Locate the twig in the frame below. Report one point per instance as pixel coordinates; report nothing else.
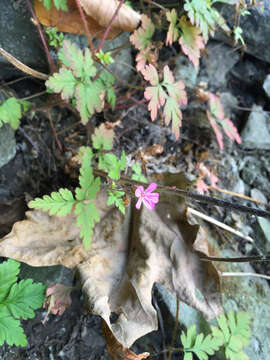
(188, 194)
(91, 45)
(238, 195)
(229, 274)
(36, 22)
(109, 26)
(19, 65)
(218, 223)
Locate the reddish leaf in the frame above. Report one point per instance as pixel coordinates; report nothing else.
(148, 55)
(173, 31)
(142, 37)
(201, 186)
(231, 131)
(191, 41)
(155, 94)
(58, 299)
(216, 129)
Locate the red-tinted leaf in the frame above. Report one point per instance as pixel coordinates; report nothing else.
(191, 41)
(58, 299)
(231, 131)
(146, 56)
(201, 186)
(216, 129)
(142, 37)
(215, 105)
(173, 31)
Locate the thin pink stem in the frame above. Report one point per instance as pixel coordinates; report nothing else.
(86, 27)
(109, 26)
(51, 64)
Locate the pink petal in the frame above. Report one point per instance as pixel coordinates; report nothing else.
(139, 191)
(139, 203)
(148, 203)
(153, 197)
(151, 188)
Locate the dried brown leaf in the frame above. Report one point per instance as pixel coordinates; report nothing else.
(116, 350)
(128, 254)
(70, 21)
(98, 16)
(102, 11)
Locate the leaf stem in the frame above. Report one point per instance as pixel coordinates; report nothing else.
(91, 45)
(109, 26)
(42, 37)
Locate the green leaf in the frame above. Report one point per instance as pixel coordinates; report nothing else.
(199, 344)
(9, 271)
(234, 331)
(59, 203)
(63, 82)
(61, 5)
(202, 15)
(115, 197)
(138, 173)
(10, 112)
(11, 331)
(103, 138)
(87, 216)
(88, 100)
(80, 63)
(23, 298)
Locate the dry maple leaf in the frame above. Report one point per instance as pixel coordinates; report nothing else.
(128, 254)
(98, 16)
(116, 350)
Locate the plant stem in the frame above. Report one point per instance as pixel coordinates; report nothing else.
(91, 45)
(229, 274)
(36, 22)
(109, 26)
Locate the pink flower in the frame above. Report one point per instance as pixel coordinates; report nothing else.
(147, 197)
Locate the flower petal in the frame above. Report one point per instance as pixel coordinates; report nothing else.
(139, 191)
(139, 203)
(151, 188)
(148, 203)
(153, 197)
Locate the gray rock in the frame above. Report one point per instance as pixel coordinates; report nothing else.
(219, 62)
(122, 66)
(258, 195)
(7, 144)
(48, 274)
(266, 85)
(19, 37)
(265, 229)
(256, 134)
(256, 29)
(250, 71)
(186, 71)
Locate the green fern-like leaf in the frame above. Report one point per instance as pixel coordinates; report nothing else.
(24, 297)
(103, 138)
(115, 197)
(63, 82)
(17, 301)
(200, 345)
(59, 203)
(87, 216)
(234, 331)
(9, 271)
